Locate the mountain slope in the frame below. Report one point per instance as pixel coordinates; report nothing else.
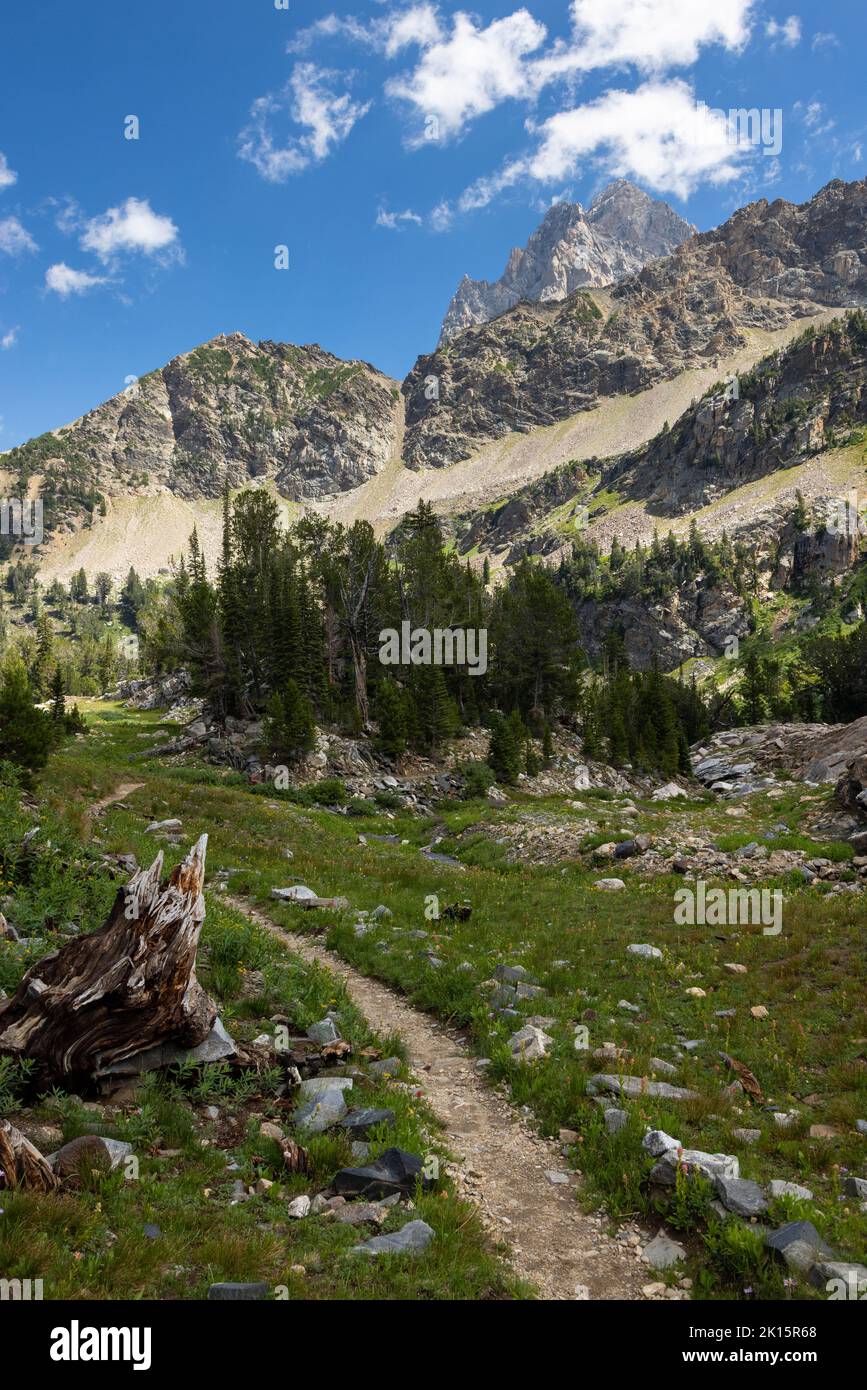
(539, 363)
(795, 404)
(622, 230)
(229, 412)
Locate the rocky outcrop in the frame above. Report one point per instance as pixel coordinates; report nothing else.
(572, 249)
(696, 621)
(792, 404)
(230, 413)
(540, 363)
(738, 760)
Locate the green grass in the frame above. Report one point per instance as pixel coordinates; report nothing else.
(808, 1054)
(90, 1243)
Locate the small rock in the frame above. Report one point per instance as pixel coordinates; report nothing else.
(799, 1245)
(667, 1068)
(529, 1044)
(295, 893)
(388, 1066)
(856, 1187)
(358, 1123)
(740, 1195)
(269, 1130)
(323, 1032)
(778, 1188)
(747, 1136)
(662, 1252)
(710, 1166)
(321, 1112)
(411, 1239)
(394, 1171)
(657, 1142)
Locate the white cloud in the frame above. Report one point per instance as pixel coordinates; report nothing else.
(332, 26)
(464, 74)
(7, 176)
(63, 280)
(68, 217)
(788, 33)
(326, 118)
(418, 25)
(15, 239)
(392, 220)
(132, 227)
(469, 73)
(651, 35)
(9, 339)
(658, 134)
(442, 216)
(815, 117)
(824, 39)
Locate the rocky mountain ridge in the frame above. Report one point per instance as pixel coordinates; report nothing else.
(537, 364)
(230, 412)
(572, 249)
(313, 426)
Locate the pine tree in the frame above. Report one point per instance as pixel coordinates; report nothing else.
(289, 724)
(392, 717)
(436, 713)
(505, 753)
(78, 587)
(58, 700)
(132, 597)
(26, 733)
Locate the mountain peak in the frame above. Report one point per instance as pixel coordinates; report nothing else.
(571, 249)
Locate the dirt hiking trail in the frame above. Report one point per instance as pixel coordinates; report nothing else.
(500, 1165)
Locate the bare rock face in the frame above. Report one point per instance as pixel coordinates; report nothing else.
(230, 412)
(621, 231)
(539, 363)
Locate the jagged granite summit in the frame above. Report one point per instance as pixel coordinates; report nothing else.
(572, 249)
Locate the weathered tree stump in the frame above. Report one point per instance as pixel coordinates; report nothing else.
(21, 1163)
(125, 988)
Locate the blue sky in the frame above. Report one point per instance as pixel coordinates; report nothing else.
(391, 147)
